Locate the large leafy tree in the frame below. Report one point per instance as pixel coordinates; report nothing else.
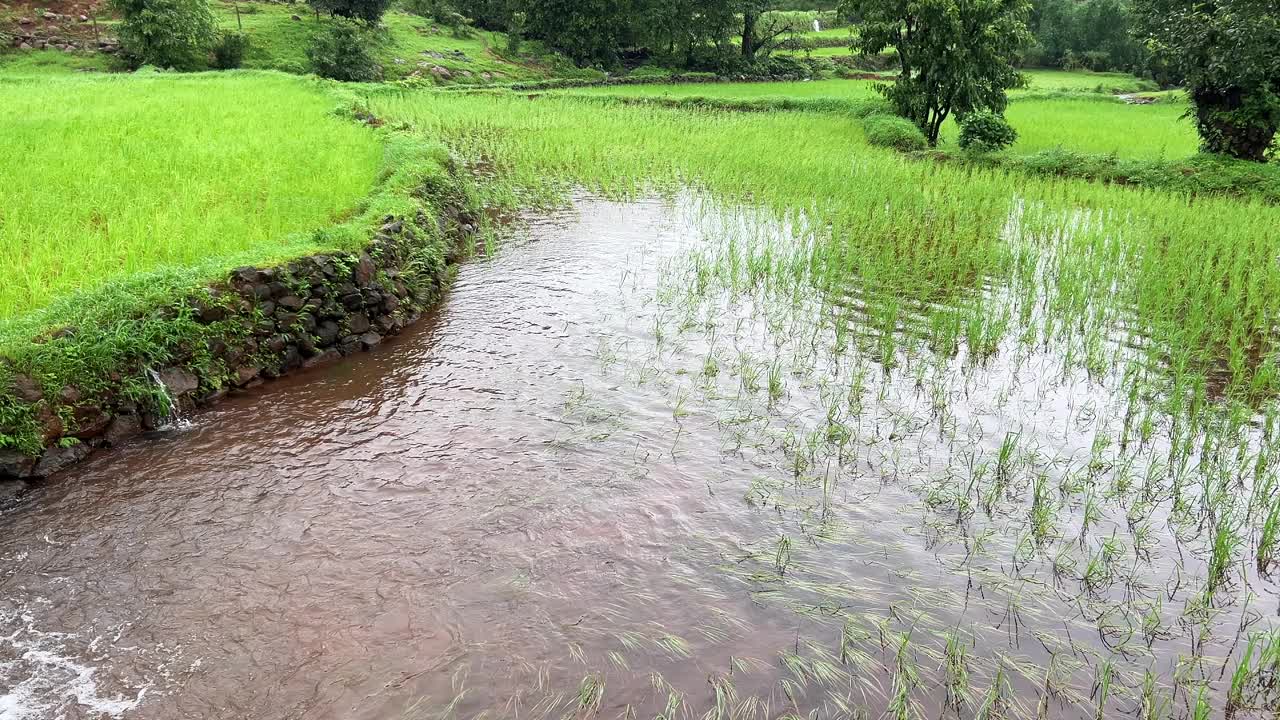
(761, 31)
(1229, 53)
(166, 33)
(955, 56)
(592, 32)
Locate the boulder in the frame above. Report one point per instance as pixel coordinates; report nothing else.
(179, 382)
(91, 422)
(246, 375)
(358, 324)
(14, 464)
(122, 429)
(324, 358)
(25, 388)
(60, 458)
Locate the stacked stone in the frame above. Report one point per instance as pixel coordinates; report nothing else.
(300, 315)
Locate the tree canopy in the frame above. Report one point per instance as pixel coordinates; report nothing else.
(955, 56)
(1229, 53)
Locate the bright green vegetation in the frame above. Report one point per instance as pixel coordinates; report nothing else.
(411, 44)
(53, 62)
(1071, 116)
(110, 176)
(1081, 81)
(1066, 391)
(1163, 242)
(1100, 125)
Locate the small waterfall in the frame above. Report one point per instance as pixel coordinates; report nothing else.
(172, 419)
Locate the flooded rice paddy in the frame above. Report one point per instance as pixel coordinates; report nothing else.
(620, 473)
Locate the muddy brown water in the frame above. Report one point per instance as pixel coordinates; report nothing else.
(528, 506)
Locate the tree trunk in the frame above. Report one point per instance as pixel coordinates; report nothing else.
(1239, 137)
(749, 36)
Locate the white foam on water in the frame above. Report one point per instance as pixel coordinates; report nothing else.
(43, 677)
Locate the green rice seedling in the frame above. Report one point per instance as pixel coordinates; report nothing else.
(1102, 687)
(1269, 537)
(591, 693)
(957, 671)
(776, 384)
(1042, 514)
(1203, 709)
(782, 555)
(1242, 676)
(995, 702)
(1226, 541)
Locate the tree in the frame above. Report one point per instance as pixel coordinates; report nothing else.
(367, 11)
(591, 32)
(1229, 53)
(761, 32)
(956, 56)
(166, 33)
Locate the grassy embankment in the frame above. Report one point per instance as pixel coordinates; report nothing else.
(406, 45)
(167, 172)
(163, 184)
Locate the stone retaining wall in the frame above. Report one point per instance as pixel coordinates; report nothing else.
(262, 323)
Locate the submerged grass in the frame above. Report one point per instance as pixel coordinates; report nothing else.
(1068, 389)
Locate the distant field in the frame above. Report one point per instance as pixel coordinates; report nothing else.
(1103, 126)
(1078, 81)
(110, 175)
(815, 88)
(1086, 122)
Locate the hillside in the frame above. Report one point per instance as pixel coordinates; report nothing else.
(81, 36)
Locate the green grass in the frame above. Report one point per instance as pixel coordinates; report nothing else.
(845, 89)
(1074, 116)
(1099, 125)
(1084, 81)
(927, 243)
(110, 176)
(278, 42)
(53, 62)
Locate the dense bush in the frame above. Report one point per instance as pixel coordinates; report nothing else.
(342, 53)
(986, 132)
(894, 132)
(166, 33)
(785, 67)
(228, 53)
(367, 11)
(1084, 35)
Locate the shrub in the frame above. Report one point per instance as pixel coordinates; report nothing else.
(228, 54)
(368, 11)
(986, 131)
(166, 33)
(342, 53)
(516, 31)
(894, 132)
(785, 67)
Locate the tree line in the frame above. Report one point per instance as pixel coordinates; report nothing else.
(956, 58)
